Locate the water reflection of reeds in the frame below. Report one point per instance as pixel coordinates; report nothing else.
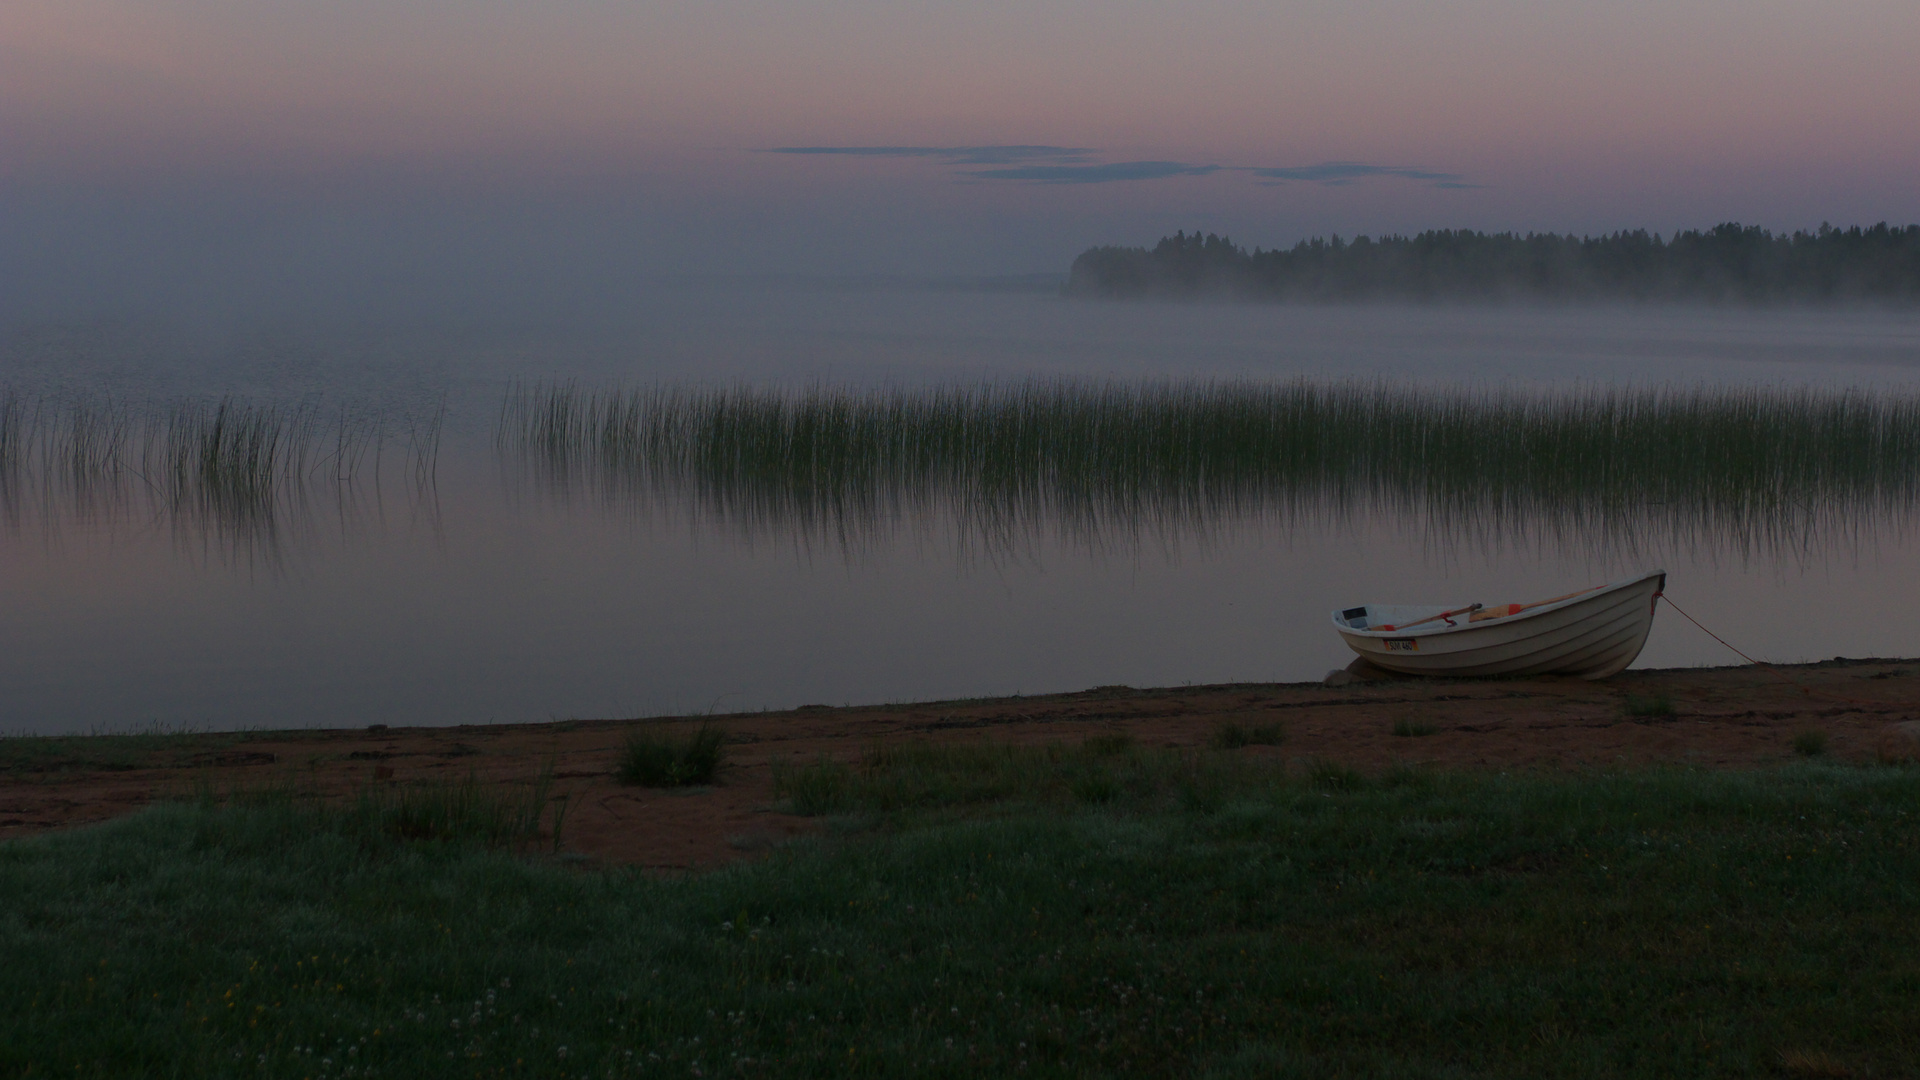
(230, 472)
(1606, 471)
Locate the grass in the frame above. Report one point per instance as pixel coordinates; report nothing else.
(1650, 707)
(906, 777)
(465, 811)
(1810, 743)
(652, 759)
(1334, 776)
(1232, 736)
(822, 786)
(1413, 729)
(1645, 923)
(1753, 468)
(24, 758)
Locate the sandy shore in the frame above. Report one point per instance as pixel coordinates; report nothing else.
(1722, 718)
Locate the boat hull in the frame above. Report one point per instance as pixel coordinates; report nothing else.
(1592, 636)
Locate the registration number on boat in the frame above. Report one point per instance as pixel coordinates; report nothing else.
(1403, 644)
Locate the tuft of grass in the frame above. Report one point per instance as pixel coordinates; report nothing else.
(465, 811)
(1334, 776)
(1403, 775)
(1205, 788)
(1232, 735)
(652, 759)
(1653, 706)
(1810, 743)
(915, 775)
(1108, 745)
(468, 812)
(823, 786)
(1413, 729)
(1096, 788)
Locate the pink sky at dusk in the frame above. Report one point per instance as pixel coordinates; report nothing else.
(124, 123)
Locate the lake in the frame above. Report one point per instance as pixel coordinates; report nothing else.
(453, 578)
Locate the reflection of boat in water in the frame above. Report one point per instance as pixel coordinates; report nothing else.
(1593, 633)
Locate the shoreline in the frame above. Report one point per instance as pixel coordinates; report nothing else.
(1866, 710)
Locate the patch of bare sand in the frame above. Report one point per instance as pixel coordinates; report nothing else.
(1722, 718)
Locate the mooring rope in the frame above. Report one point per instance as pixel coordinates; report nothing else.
(1762, 664)
(1683, 611)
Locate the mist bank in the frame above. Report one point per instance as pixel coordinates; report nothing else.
(1729, 263)
(374, 249)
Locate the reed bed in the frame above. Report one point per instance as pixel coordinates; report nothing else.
(1754, 467)
(229, 466)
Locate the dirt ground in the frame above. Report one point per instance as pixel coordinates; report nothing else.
(1722, 717)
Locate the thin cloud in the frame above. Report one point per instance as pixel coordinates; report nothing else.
(952, 155)
(1094, 174)
(1035, 164)
(1344, 173)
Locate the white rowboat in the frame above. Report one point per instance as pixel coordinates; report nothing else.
(1592, 634)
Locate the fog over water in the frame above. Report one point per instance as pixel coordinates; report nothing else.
(483, 596)
(912, 332)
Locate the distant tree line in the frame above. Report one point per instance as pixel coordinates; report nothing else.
(1727, 264)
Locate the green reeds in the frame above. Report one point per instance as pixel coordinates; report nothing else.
(1756, 468)
(228, 460)
(228, 465)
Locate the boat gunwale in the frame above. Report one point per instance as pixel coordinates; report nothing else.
(1488, 624)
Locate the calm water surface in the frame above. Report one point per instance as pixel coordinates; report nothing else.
(483, 596)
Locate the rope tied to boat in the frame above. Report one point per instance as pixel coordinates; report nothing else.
(1662, 595)
(1761, 664)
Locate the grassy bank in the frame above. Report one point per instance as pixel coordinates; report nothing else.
(1747, 467)
(1115, 911)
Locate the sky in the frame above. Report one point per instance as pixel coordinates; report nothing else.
(465, 157)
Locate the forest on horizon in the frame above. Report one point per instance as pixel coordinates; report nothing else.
(1729, 263)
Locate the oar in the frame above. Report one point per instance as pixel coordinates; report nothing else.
(1505, 610)
(1448, 615)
